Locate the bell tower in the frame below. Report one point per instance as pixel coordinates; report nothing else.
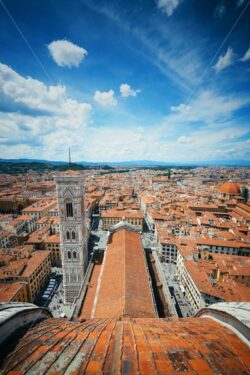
(73, 234)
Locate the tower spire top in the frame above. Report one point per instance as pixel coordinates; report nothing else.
(69, 158)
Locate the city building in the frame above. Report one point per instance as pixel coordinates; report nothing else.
(167, 249)
(33, 271)
(36, 273)
(113, 217)
(13, 292)
(52, 244)
(12, 204)
(40, 208)
(7, 239)
(219, 278)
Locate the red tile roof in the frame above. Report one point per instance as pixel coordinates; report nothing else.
(133, 346)
(231, 188)
(91, 289)
(124, 288)
(133, 214)
(9, 291)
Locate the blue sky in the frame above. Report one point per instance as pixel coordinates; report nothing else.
(117, 80)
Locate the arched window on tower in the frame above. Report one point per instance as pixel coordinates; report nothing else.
(69, 255)
(69, 208)
(73, 235)
(68, 235)
(74, 255)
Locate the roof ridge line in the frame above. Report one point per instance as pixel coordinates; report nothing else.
(125, 238)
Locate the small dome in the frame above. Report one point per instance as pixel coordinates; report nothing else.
(231, 188)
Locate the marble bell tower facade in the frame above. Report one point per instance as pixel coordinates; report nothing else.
(73, 234)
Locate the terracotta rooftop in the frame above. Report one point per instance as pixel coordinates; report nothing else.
(54, 238)
(228, 289)
(123, 213)
(91, 288)
(123, 288)
(231, 188)
(9, 290)
(35, 262)
(69, 172)
(40, 206)
(222, 243)
(5, 233)
(136, 346)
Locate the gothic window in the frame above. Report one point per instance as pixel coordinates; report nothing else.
(69, 209)
(68, 235)
(73, 235)
(69, 255)
(74, 255)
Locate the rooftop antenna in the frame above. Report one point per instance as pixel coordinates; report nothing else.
(69, 158)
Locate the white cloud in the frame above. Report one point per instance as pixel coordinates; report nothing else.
(126, 90)
(225, 61)
(35, 95)
(30, 92)
(208, 107)
(239, 2)
(182, 108)
(39, 117)
(168, 6)
(220, 10)
(183, 139)
(192, 132)
(66, 53)
(246, 57)
(105, 98)
(189, 133)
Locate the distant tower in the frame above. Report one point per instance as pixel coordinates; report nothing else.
(69, 158)
(73, 234)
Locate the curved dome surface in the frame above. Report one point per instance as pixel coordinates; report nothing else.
(15, 315)
(130, 346)
(231, 188)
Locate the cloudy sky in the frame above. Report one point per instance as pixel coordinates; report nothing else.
(165, 80)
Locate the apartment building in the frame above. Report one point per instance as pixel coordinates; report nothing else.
(224, 247)
(40, 208)
(112, 217)
(51, 222)
(167, 248)
(205, 282)
(36, 273)
(52, 244)
(7, 239)
(13, 292)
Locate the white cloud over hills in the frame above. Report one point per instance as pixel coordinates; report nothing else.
(65, 53)
(42, 121)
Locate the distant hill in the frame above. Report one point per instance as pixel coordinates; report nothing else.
(26, 165)
(134, 163)
(51, 162)
(153, 164)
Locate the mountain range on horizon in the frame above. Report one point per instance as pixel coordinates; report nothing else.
(136, 163)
